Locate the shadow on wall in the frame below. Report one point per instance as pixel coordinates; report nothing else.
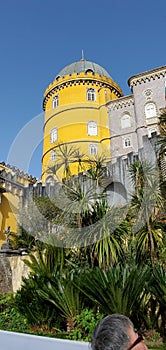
(116, 194)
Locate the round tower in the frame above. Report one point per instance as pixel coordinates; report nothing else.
(76, 114)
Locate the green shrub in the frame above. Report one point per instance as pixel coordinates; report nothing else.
(10, 318)
(28, 303)
(84, 325)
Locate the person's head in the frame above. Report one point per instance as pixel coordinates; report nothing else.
(116, 332)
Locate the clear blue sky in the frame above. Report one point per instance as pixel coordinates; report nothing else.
(38, 38)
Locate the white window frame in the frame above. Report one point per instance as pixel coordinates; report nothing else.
(125, 121)
(93, 150)
(54, 135)
(127, 142)
(150, 110)
(55, 101)
(52, 156)
(152, 130)
(50, 180)
(91, 94)
(92, 128)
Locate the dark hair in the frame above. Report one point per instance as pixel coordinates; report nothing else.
(111, 333)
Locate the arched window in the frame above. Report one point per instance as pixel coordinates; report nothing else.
(127, 142)
(91, 95)
(50, 180)
(55, 101)
(152, 131)
(93, 150)
(150, 110)
(125, 121)
(92, 128)
(89, 71)
(54, 135)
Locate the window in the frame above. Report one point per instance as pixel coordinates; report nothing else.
(125, 121)
(54, 135)
(92, 128)
(127, 142)
(91, 95)
(50, 180)
(93, 150)
(152, 131)
(55, 101)
(89, 71)
(52, 156)
(150, 110)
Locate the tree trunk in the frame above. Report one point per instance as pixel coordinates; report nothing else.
(152, 250)
(70, 324)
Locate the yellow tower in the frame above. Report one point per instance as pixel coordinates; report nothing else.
(76, 113)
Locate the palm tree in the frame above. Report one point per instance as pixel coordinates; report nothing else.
(162, 151)
(149, 239)
(27, 299)
(162, 128)
(80, 201)
(146, 204)
(107, 237)
(96, 169)
(86, 221)
(80, 158)
(117, 290)
(94, 228)
(158, 288)
(65, 156)
(141, 173)
(65, 296)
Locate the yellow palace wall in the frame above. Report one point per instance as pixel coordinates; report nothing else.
(72, 114)
(11, 186)
(8, 213)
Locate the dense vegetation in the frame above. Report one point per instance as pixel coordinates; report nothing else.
(88, 258)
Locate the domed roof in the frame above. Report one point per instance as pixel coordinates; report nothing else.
(83, 66)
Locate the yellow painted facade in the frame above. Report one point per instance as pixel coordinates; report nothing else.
(12, 182)
(73, 111)
(8, 213)
(82, 97)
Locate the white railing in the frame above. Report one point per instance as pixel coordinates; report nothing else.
(21, 341)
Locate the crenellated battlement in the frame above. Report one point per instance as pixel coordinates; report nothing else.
(81, 79)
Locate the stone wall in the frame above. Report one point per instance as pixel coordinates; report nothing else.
(12, 269)
(5, 275)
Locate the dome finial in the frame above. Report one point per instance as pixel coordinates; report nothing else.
(82, 59)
